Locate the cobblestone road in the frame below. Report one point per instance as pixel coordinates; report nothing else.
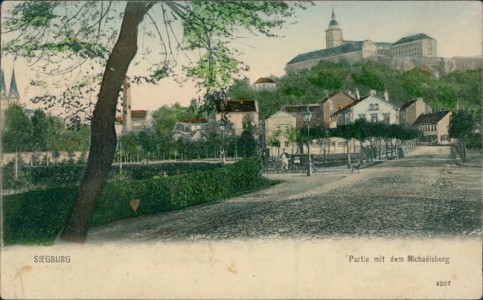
(423, 195)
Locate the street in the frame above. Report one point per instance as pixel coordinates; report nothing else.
(426, 194)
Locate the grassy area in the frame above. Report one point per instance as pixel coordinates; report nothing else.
(36, 217)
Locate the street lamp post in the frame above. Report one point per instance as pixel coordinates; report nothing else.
(222, 125)
(307, 115)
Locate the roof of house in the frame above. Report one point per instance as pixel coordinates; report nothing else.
(193, 120)
(264, 80)
(431, 119)
(351, 105)
(231, 105)
(383, 44)
(347, 46)
(135, 114)
(298, 107)
(280, 114)
(339, 92)
(407, 104)
(415, 37)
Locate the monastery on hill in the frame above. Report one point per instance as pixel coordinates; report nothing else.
(419, 50)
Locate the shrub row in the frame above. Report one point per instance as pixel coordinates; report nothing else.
(36, 217)
(68, 174)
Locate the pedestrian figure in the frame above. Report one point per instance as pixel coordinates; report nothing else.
(285, 156)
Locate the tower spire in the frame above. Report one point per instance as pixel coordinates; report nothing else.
(333, 34)
(3, 87)
(13, 92)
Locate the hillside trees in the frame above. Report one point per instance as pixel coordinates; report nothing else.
(446, 92)
(84, 32)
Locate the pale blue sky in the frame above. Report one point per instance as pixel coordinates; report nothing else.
(456, 25)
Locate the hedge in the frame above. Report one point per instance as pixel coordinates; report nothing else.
(68, 174)
(36, 217)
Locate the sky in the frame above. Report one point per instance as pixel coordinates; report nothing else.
(456, 25)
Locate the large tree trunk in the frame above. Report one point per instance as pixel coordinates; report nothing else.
(103, 135)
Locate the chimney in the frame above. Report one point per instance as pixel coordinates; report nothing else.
(358, 96)
(372, 92)
(386, 96)
(126, 106)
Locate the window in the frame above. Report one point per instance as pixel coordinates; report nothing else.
(286, 144)
(373, 118)
(361, 116)
(386, 118)
(376, 106)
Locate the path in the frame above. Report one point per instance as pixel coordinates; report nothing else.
(422, 195)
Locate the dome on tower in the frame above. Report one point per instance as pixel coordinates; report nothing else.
(333, 22)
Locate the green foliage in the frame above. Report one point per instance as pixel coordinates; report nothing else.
(36, 217)
(40, 128)
(166, 116)
(18, 130)
(311, 86)
(247, 144)
(361, 130)
(41, 133)
(462, 124)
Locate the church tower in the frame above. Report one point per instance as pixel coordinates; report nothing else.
(13, 94)
(333, 34)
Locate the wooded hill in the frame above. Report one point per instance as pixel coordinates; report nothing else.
(461, 89)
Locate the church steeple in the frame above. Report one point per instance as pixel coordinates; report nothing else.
(13, 92)
(333, 34)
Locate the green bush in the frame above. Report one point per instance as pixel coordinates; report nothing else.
(36, 217)
(69, 173)
(138, 172)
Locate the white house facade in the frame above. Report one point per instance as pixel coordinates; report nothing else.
(280, 122)
(370, 108)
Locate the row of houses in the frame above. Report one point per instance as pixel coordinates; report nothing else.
(343, 108)
(338, 109)
(335, 110)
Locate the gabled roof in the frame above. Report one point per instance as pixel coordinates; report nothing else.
(346, 47)
(231, 105)
(264, 80)
(407, 104)
(415, 37)
(339, 92)
(431, 119)
(351, 105)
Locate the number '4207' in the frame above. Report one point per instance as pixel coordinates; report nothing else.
(443, 283)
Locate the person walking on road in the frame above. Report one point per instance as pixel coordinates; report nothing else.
(285, 156)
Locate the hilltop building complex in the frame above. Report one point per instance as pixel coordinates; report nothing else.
(418, 50)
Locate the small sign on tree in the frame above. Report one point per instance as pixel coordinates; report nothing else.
(134, 205)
